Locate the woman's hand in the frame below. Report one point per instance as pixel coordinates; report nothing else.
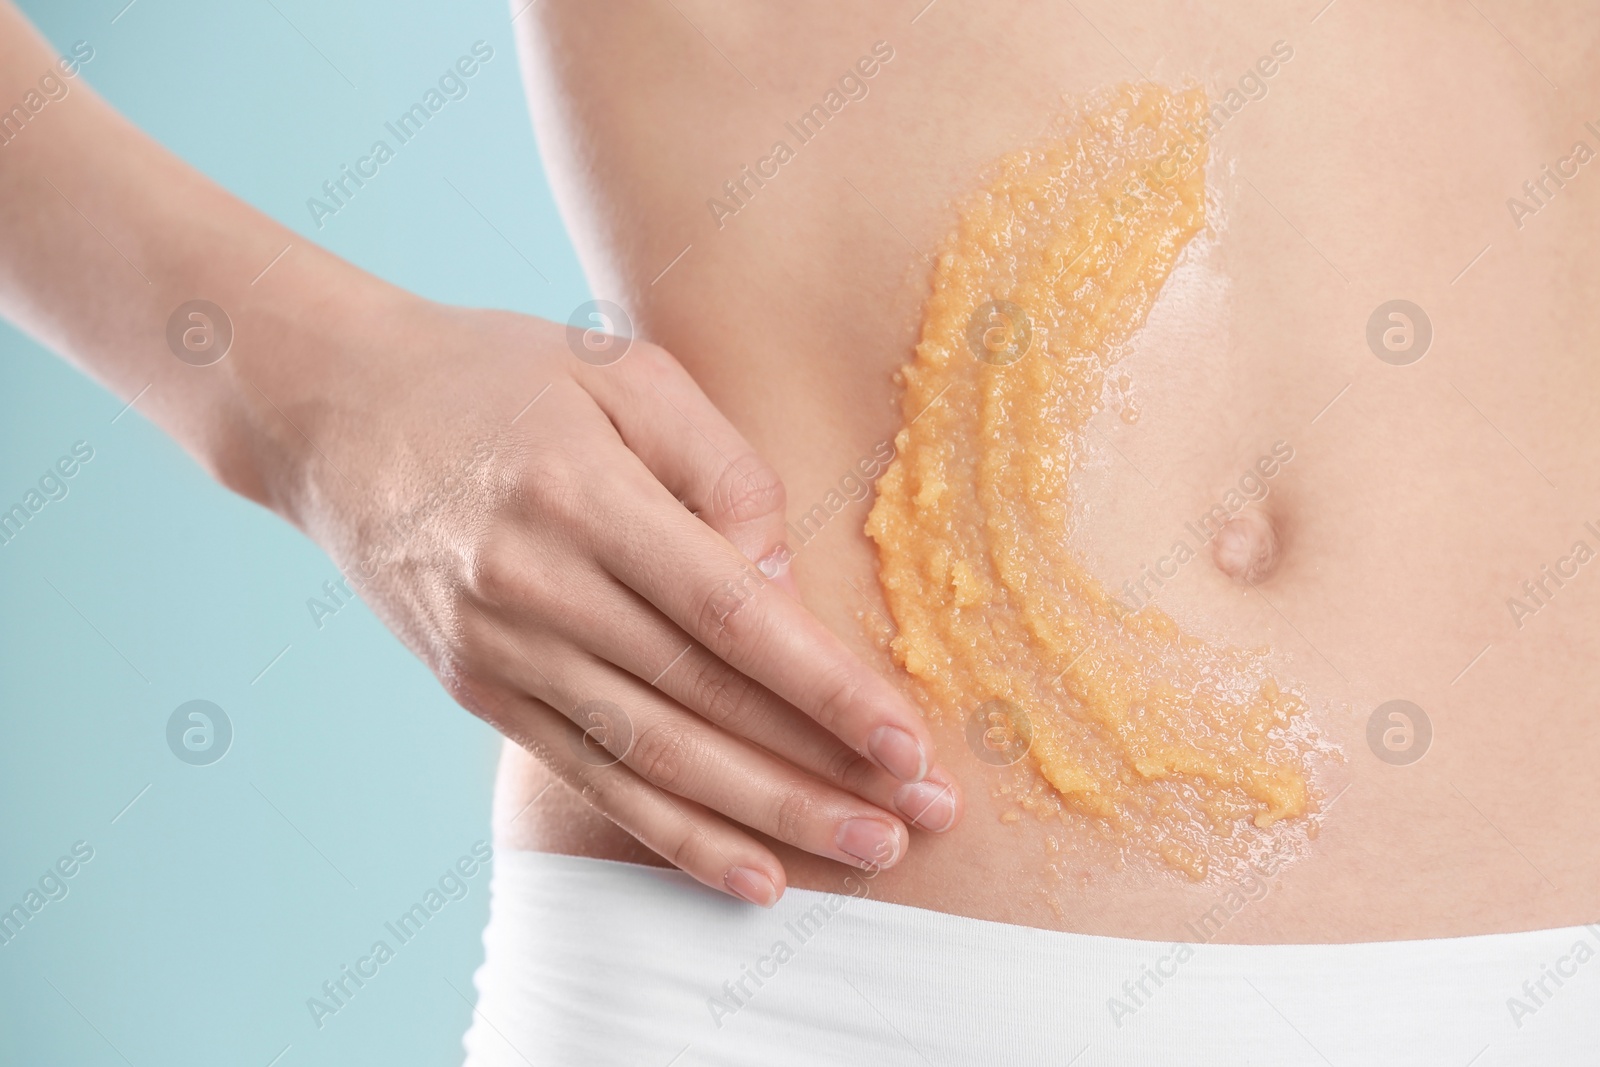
(568, 546)
(591, 559)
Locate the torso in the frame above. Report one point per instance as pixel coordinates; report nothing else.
(1420, 497)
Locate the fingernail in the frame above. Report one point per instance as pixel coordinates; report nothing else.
(750, 884)
(898, 753)
(930, 805)
(775, 568)
(871, 841)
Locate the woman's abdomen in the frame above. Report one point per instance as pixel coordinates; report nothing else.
(1345, 448)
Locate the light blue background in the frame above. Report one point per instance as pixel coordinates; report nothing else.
(224, 897)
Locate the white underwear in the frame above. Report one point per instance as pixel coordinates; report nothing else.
(590, 962)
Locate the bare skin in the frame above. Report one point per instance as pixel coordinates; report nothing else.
(598, 515)
(1377, 166)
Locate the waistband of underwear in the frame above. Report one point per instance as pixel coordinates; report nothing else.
(597, 962)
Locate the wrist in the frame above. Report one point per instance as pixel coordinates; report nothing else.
(294, 377)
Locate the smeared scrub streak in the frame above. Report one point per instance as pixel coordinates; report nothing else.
(1161, 740)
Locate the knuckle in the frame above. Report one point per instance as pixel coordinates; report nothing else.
(748, 489)
(795, 814)
(501, 579)
(498, 572)
(725, 697)
(850, 771)
(837, 694)
(723, 613)
(692, 849)
(555, 490)
(605, 787)
(661, 754)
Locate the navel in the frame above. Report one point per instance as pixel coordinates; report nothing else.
(1246, 549)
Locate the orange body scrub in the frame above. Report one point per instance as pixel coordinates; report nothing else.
(1163, 741)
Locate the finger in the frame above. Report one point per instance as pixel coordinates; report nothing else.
(695, 452)
(686, 835)
(639, 533)
(631, 634)
(680, 753)
(698, 581)
(732, 701)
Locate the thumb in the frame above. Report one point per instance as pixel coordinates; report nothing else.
(694, 451)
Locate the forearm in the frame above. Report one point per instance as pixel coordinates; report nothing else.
(104, 234)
